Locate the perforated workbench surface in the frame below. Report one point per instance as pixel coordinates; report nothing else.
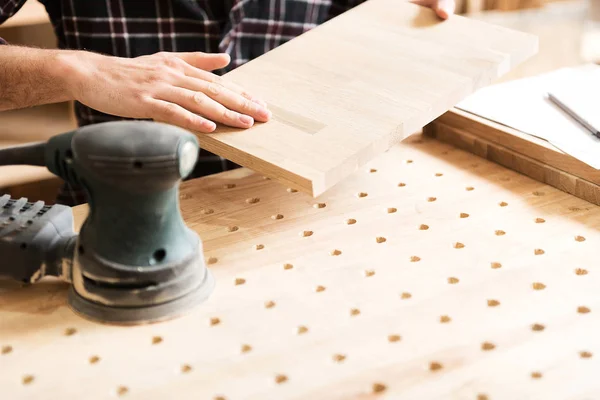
(430, 274)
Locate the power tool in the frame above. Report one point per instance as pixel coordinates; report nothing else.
(134, 260)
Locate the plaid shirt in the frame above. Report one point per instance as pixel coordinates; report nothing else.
(245, 29)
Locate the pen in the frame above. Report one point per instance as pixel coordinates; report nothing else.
(574, 115)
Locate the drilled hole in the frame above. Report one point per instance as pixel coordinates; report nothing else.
(259, 246)
(538, 286)
(394, 338)
(137, 164)
(239, 281)
(444, 319)
(435, 366)
(380, 239)
(339, 358)
(538, 252)
(585, 354)
(214, 321)
(537, 327)
(378, 388)
(70, 331)
(487, 346)
(493, 303)
(27, 379)
(431, 199)
(319, 205)
(159, 255)
(320, 289)
(362, 194)
(157, 340)
(288, 266)
(122, 390)
(391, 210)
(335, 252)
(212, 260)
(306, 233)
(423, 227)
(277, 216)
(503, 204)
(354, 312)
(415, 258)
(232, 228)
(302, 330)
(369, 273)
(207, 211)
(281, 379)
(252, 200)
(583, 310)
(94, 359)
(23, 246)
(469, 188)
(458, 245)
(500, 232)
(581, 271)
(229, 186)
(246, 348)
(579, 239)
(401, 184)
(6, 349)
(536, 375)
(269, 304)
(186, 368)
(453, 280)
(405, 296)
(80, 250)
(540, 220)
(350, 221)
(290, 190)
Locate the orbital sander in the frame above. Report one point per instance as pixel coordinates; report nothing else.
(134, 259)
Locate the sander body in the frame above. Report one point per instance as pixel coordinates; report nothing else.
(134, 259)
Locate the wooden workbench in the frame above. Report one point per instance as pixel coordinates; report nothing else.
(429, 274)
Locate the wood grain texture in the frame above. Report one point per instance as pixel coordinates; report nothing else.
(347, 90)
(454, 278)
(512, 149)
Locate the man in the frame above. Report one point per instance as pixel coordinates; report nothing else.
(158, 59)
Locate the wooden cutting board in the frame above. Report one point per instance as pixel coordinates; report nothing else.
(428, 274)
(347, 90)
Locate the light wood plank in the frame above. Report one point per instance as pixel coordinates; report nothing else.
(490, 313)
(347, 90)
(536, 160)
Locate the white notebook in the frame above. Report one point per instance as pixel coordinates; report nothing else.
(524, 105)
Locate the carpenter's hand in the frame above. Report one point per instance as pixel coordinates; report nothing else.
(443, 8)
(175, 88)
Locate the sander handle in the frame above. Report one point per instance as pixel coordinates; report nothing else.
(35, 240)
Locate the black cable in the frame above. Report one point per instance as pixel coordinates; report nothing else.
(27, 154)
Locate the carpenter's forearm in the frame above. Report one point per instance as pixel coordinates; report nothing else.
(30, 77)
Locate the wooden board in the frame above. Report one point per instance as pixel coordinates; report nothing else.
(347, 90)
(429, 274)
(526, 154)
